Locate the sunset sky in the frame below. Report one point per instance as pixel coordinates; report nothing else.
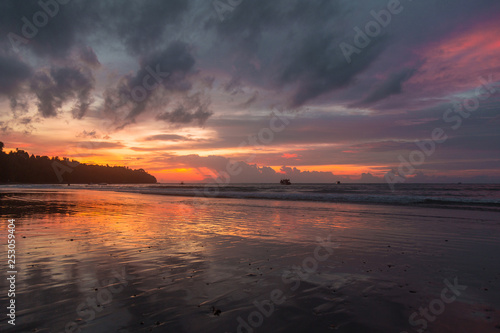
(180, 87)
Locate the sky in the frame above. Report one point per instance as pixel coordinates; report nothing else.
(312, 90)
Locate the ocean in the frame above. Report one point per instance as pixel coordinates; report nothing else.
(463, 196)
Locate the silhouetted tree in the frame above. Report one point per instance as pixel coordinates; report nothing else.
(19, 167)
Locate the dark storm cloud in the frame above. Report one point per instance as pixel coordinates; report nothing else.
(193, 108)
(295, 44)
(60, 85)
(176, 60)
(288, 48)
(50, 29)
(251, 19)
(57, 32)
(13, 73)
(278, 45)
(53, 33)
(392, 86)
(318, 70)
(141, 24)
(167, 68)
(46, 32)
(88, 56)
(163, 74)
(19, 104)
(306, 57)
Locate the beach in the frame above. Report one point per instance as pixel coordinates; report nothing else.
(122, 261)
(231, 166)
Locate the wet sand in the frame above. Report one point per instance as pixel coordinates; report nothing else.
(123, 262)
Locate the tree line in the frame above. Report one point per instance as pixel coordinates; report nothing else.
(19, 167)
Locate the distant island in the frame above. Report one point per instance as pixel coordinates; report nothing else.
(20, 168)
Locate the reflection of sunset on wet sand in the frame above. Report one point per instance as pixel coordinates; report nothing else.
(198, 264)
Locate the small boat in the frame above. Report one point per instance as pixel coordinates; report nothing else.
(338, 182)
(182, 183)
(285, 182)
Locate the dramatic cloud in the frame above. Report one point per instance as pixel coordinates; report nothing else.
(193, 108)
(165, 73)
(46, 28)
(59, 85)
(141, 25)
(317, 70)
(88, 56)
(185, 80)
(13, 73)
(392, 86)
